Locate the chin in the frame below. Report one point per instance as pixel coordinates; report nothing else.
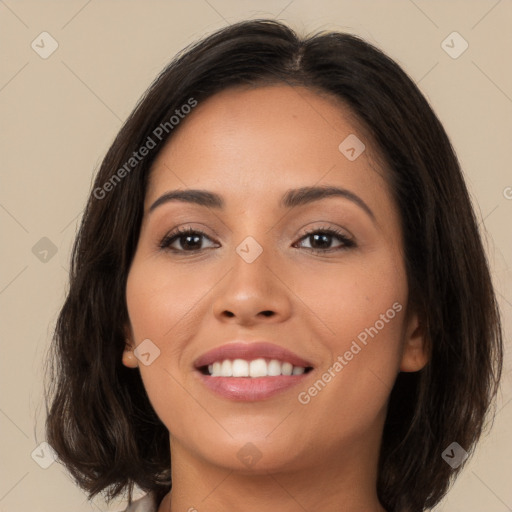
(252, 452)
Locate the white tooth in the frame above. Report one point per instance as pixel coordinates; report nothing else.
(274, 368)
(258, 368)
(216, 369)
(240, 368)
(286, 368)
(226, 368)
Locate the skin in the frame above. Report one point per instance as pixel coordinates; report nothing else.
(250, 146)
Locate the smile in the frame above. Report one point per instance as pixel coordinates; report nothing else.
(251, 371)
(256, 368)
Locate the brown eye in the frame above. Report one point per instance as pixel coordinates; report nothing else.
(187, 240)
(321, 239)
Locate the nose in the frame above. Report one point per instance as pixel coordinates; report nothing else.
(253, 293)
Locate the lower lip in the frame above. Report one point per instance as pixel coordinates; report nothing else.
(248, 389)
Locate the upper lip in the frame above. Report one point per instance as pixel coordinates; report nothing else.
(249, 351)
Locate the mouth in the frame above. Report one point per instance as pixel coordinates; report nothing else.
(255, 369)
(251, 371)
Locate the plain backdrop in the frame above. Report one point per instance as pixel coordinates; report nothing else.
(59, 113)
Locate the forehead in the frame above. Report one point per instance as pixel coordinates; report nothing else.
(247, 140)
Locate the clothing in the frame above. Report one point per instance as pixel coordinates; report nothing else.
(144, 504)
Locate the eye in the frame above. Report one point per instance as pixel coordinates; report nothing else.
(321, 239)
(189, 240)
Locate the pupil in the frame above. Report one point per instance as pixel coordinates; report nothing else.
(326, 239)
(191, 245)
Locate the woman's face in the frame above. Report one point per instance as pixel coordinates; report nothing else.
(252, 272)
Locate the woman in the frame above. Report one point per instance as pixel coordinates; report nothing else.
(279, 286)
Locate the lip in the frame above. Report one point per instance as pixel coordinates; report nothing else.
(248, 388)
(250, 351)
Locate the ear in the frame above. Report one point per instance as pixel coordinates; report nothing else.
(415, 354)
(129, 358)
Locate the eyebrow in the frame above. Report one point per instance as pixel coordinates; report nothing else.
(291, 199)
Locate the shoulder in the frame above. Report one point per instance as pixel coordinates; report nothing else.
(144, 504)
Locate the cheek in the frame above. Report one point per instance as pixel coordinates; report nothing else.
(362, 309)
(159, 300)
(165, 306)
(351, 296)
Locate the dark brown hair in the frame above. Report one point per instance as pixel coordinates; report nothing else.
(100, 421)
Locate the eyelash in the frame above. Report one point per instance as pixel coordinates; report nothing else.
(169, 239)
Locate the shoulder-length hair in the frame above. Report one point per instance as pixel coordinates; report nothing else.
(100, 421)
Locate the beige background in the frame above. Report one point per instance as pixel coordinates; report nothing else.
(60, 114)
